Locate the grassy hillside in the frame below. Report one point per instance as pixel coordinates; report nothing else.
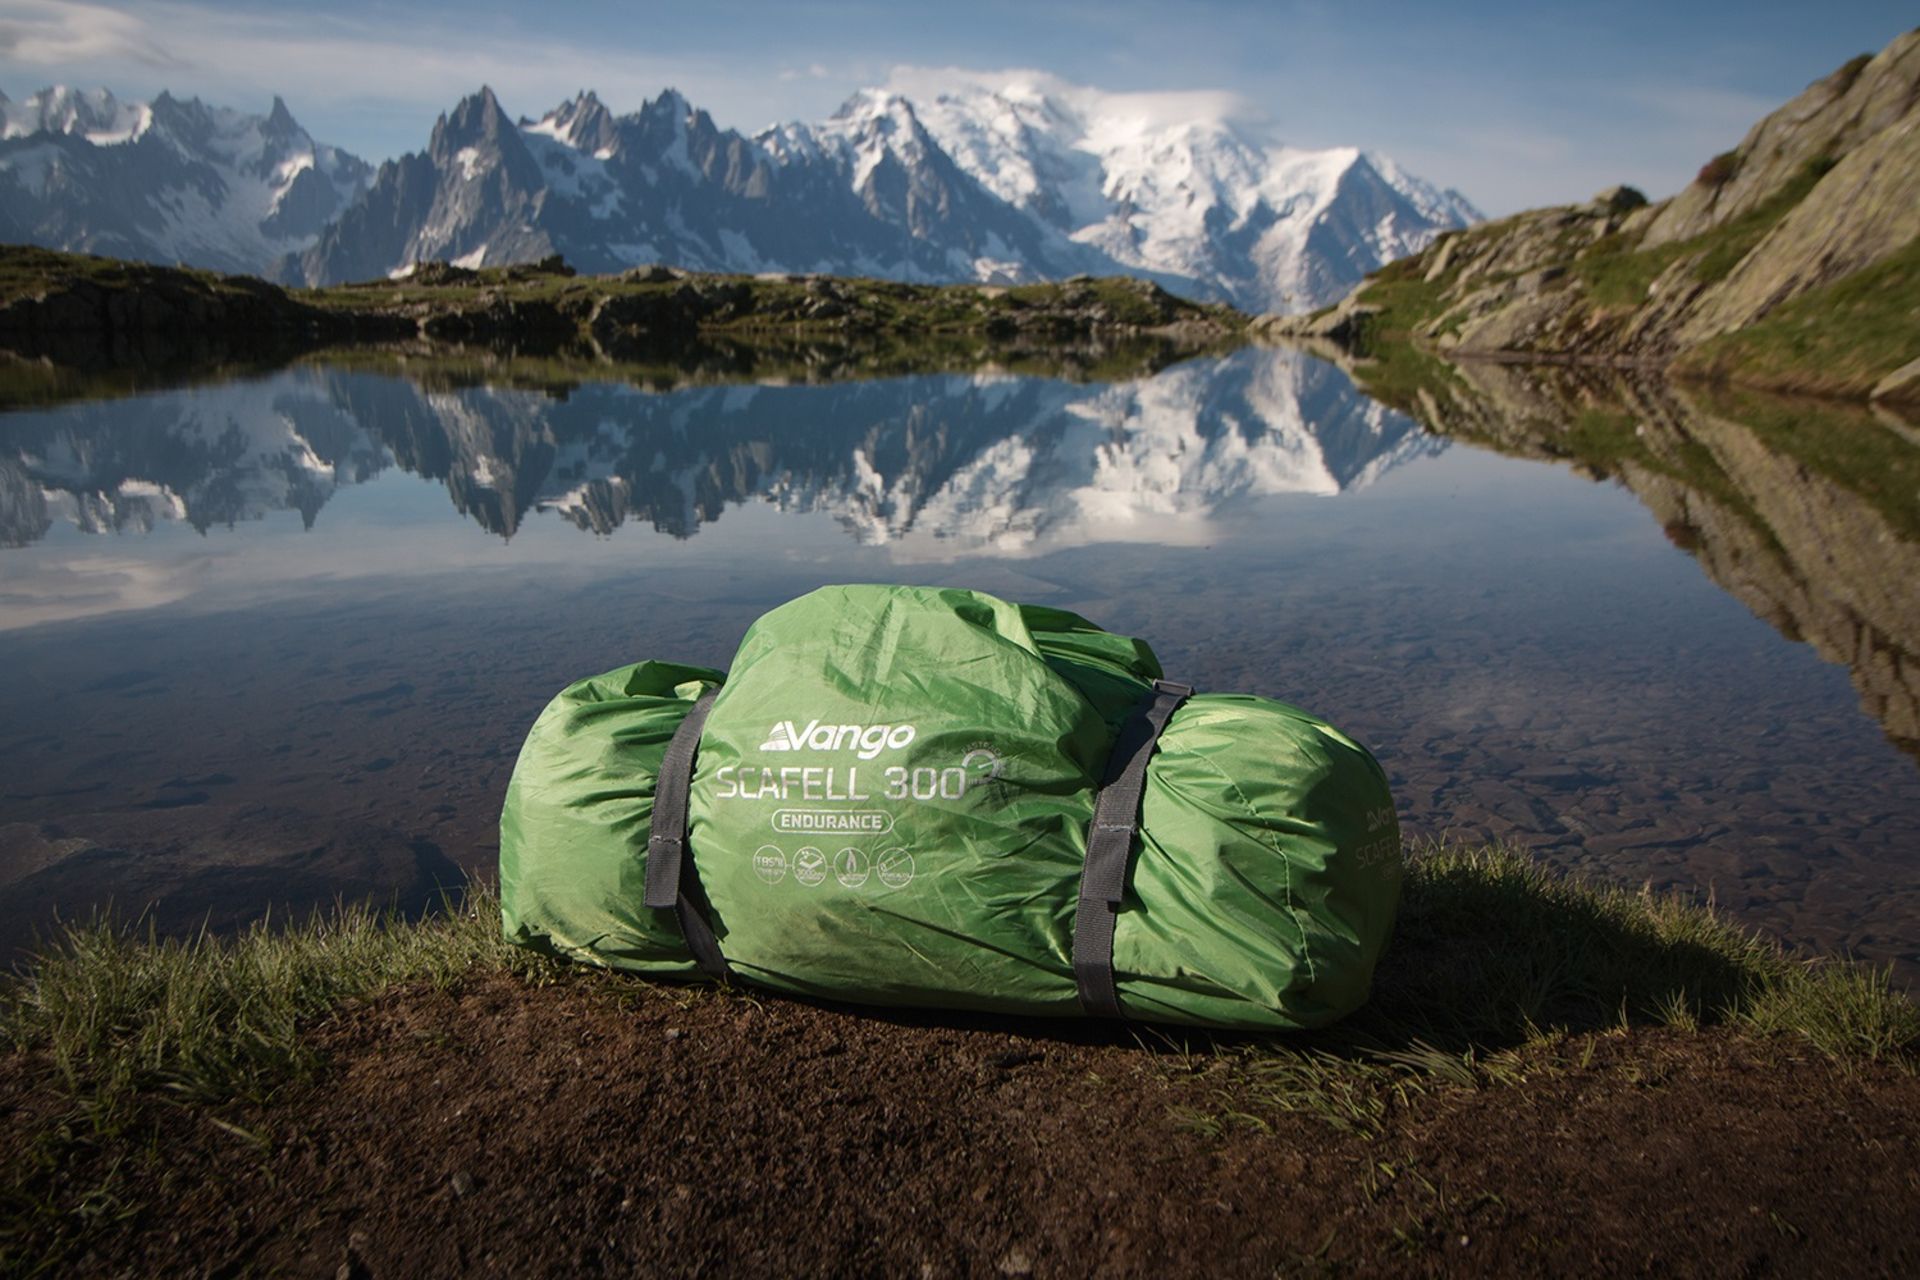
(1789, 263)
(1843, 339)
(1856, 334)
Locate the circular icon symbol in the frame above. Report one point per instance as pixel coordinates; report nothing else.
(850, 868)
(981, 766)
(896, 868)
(770, 863)
(809, 866)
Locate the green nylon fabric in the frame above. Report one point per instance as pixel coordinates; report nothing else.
(890, 805)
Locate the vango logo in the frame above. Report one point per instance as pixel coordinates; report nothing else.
(867, 740)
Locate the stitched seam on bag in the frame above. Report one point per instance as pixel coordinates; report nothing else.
(1265, 837)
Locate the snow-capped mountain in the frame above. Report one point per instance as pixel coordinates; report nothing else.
(167, 180)
(1180, 186)
(982, 179)
(936, 177)
(665, 184)
(1016, 464)
(1135, 460)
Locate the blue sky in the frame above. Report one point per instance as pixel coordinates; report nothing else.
(1515, 104)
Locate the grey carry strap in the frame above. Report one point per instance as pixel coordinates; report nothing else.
(1116, 817)
(672, 880)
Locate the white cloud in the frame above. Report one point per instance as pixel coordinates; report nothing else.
(39, 589)
(52, 32)
(1151, 109)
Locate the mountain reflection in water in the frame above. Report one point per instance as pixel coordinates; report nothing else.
(1807, 512)
(320, 692)
(989, 459)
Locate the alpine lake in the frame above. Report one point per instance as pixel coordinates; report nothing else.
(271, 634)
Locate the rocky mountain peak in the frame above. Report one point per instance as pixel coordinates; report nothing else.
(479, 140)
(476, 121)
(583, 123)
(280, 124)
(170, 180)
(665, 114)
(883, 115)
(659, 130)
(94, 114)
(188, 122)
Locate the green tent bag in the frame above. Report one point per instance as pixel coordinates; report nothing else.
(892, 800)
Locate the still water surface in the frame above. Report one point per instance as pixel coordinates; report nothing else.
(274, 640)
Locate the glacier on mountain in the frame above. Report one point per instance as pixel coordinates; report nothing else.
(1187, 187)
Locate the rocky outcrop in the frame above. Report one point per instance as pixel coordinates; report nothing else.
(1863, 210)
(73, 327)
(1823, 189)
(73, 308)
(626, 315)
(98, 313)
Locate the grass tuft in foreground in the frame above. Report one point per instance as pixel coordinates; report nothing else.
(118, 1015)
(1499, 966)
(1499, 971)
(1492, 952)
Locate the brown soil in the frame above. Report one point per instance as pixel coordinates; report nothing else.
(591, 1128)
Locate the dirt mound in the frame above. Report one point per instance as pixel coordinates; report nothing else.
(627, 1129)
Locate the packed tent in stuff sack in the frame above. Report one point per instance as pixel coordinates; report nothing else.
(931, 797)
